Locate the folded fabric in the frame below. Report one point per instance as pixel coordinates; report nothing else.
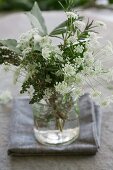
(23, 143)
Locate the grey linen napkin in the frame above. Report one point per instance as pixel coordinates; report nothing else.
(23, 143)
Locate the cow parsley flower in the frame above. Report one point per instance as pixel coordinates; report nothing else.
(45, 42)
(46, 53)
(79, 61)
(73, 62)
(77, 91)
(69, 70)
(27, 39)
(79, 79)
(72, 15)
(52, 50)
(79, 49)
(62, 88)
(26, 51)
(57, 53)
(73, 39)
(5, 97)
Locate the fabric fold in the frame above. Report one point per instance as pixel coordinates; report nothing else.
(23, 143)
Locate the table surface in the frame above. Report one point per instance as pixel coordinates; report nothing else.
(11, 26)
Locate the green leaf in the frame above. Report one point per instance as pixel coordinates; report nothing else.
(11, 44)
(37, 19)
(35, 23)
(60, 29)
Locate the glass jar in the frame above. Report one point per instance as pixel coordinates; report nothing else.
(56, 123)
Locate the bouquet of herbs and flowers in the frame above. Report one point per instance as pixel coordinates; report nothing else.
(58, 74)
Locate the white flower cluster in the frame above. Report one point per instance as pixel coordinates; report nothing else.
(72, 15)
(63, 88)
(46, 52)
(69, 70)
(72, 81)
(28, 41)
(5, 97)
(79, 49)
(92, 67)
(79, 63)
(45, 42)
(73, 39)
(49, 50)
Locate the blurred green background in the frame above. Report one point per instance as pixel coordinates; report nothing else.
(44, 4)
